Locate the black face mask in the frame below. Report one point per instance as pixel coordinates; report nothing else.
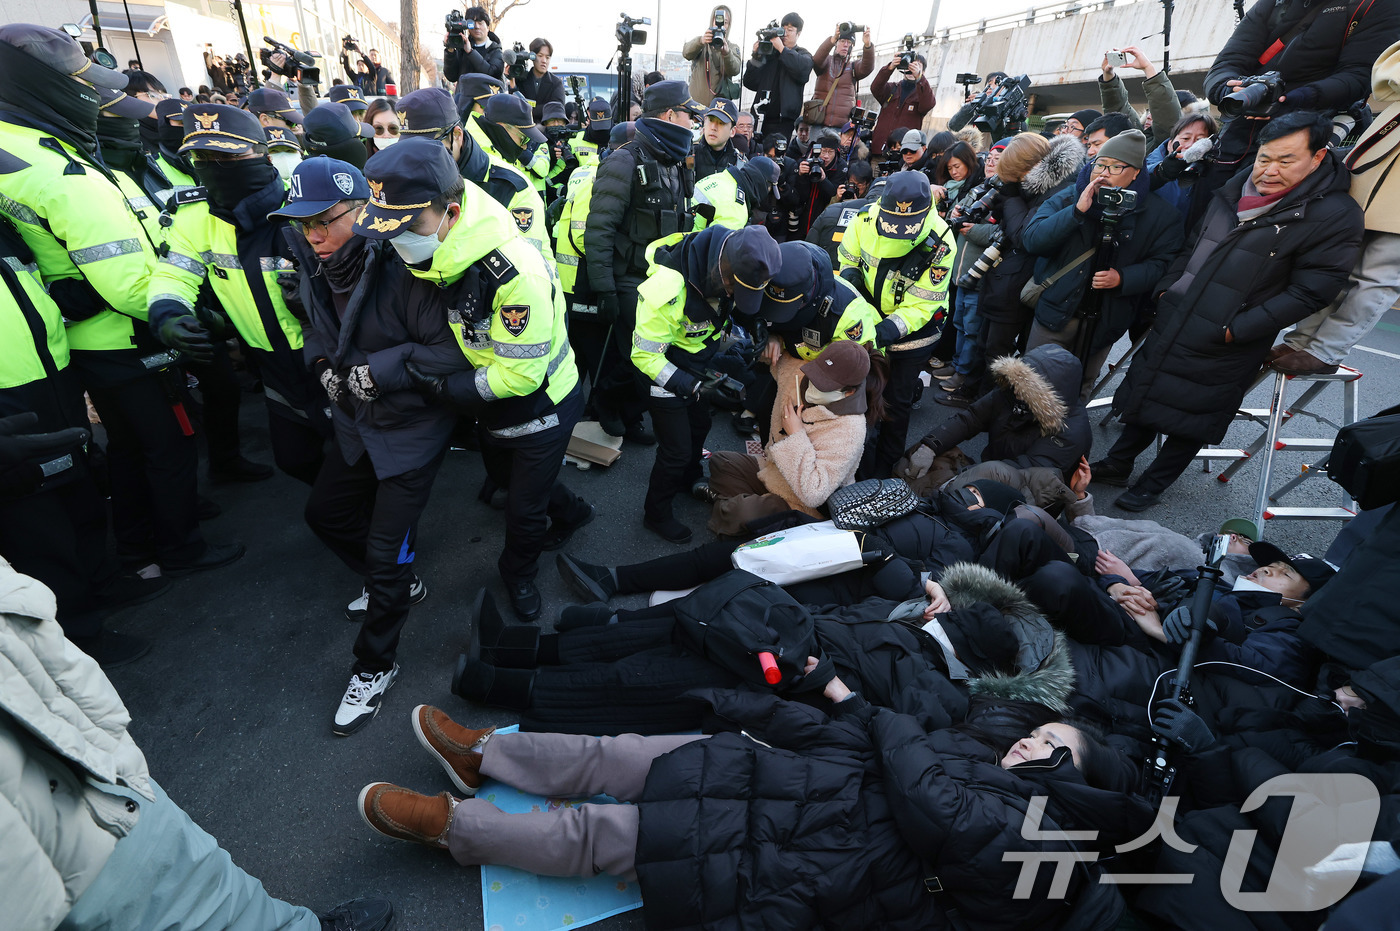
(150, 133)
(65, 106)
(229, 182)
(120, 138)
(171, 134)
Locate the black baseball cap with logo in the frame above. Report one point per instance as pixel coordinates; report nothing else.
(726, 111)
(599, 114)
(216, 127)
(669, 95)
(349, 95)
(56, 49)
(271, 100)
(403, 180)
(426, 112)
(510, 110)
(318, 184)
(1315, 571)
(474, 89)
(281, 138)
(904, 205)
(790, 289)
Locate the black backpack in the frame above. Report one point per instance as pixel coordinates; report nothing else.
(733, 619)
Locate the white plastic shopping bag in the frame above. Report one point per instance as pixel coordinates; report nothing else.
(808, 551)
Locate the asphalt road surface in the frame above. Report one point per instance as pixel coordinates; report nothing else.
(233, 705)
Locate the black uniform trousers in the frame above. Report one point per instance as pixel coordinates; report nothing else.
(1173, 458)
(527, 467)
(891, 434)
(680, 426)
(595, 351)
(371, 524)
(622, 387)
(151, 465)
(220, 397)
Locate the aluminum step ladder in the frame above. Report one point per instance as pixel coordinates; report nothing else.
(1269, 444)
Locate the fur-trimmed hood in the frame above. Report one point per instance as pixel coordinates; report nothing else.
(1046, 380)
(1046, 673)
(1066, 156)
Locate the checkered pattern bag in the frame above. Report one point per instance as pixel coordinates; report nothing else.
(871, 503)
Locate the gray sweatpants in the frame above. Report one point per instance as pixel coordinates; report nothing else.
(577, 841)
(1332, 332)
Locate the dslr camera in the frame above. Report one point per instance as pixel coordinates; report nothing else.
(1255, 96)
(814, 160)
(518, 60)
(906, 57)
(849, 30)
(717, 30)
(627, 32)
(989, 196)
(1116, 202)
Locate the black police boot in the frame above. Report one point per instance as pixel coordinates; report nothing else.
(668, 529)
(596, 583)
(525, 599)
(560, 531)
(369, 913)
(481, 682)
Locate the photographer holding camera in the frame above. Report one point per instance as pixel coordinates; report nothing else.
(378, 76)
(536, 83)
(1000, 109)
(714, 60)
(903, 104)
(1288, 55)
(471, 47)
(1164, 104)
(778, 73)
(1104, 242)
(814, 184)
(1275, 245)
(838, 76)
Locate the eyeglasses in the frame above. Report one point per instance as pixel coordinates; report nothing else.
(1104, 168)
(323, 227)
(390, 130)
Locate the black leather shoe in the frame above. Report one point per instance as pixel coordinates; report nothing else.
(639, 433)
(370, 913)
(239, 469)
(130, 589)
(595, 583)
(1137, 500)
(559, 533)
(669, 529)
(525, 599)
(1106, 473)
(205, 509)
(216, 555)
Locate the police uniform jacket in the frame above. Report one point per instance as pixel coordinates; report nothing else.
(910, 284)
(834, 311)
(682, 311)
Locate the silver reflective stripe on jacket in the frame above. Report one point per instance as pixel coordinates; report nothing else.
(19, 266)
(185, 263)
(546, 422)
(179, 299)
(663, 376)
(19, 211)
(647, 345)
(108, 250)
(566, 259)
(222, 260)
(273, 263)
(519, 350)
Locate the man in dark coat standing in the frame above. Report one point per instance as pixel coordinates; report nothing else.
(779, 69)
(1276, 244)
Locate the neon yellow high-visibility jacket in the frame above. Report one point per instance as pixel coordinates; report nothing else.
(906, 279)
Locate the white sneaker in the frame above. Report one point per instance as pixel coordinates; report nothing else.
(362, 700)
(358, 609)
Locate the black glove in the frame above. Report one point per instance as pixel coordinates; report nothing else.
(1182, 726)
(1177, 625)
(608, 306)
(23, 453)
(886, 332)
(722, 391)
(189, 337)
(433, 387)
(290, 283)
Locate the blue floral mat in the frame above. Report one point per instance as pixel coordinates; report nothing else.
(513, 900)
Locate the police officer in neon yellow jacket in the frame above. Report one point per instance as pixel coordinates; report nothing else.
(221, 231)
(506, 310)
(430, 114)
(899, 253)
(683, 308)
(730, 197)
(95, 259)
(511, 136)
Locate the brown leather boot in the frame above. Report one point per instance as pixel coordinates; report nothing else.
(457, 748)
(406, 815)
(1302, 362)
(1278, 352)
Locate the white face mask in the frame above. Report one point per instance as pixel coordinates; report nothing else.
(416, 248)
(382, 142)
(814, 395)
(285, 163)
(1245, 584)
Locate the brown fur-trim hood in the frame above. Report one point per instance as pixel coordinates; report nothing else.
(1043, 379)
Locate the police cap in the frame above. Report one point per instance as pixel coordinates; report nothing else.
(318, 184)
(791, 288)
(118, 103)
(427, 112)
(510, 110)
(171, 109)
(599, 113)
(753, 259)
(216, 127)
(281, 139)
(553, 110)
(349, 95)
(331, 124)
(271, 100)
(474, 88)
(403, 180)
(56, 49)
(669, 95)
(904, 205)
(723, 110)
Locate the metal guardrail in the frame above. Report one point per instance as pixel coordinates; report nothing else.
(1027, 17)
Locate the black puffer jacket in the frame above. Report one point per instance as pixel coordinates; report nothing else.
(1032, 418)
(1254, 278)
(613, 256)
(1001, 287)
(709, 162)
(837, 822)
(784, 76)
(472, 60)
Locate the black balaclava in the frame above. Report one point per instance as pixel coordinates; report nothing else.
(49, 98)
(120, 138)
(345, 266)
(510, 150)
(998, 496)
(229, 182)
(667, 139)
(150, 133)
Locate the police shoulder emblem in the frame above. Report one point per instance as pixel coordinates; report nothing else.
(524, 217)
(515, 317)
(936, 275)
(854, 333)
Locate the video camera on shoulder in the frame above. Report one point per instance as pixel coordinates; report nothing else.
(766, 35)
(457, 26)
(518, 60)
(628, 34)
(284, 60)
(717, 31)
(1115, 201)
(1005, 106)
(1256, 95)
(849, 30)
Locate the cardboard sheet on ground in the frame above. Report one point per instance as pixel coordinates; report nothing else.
(513, 900)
